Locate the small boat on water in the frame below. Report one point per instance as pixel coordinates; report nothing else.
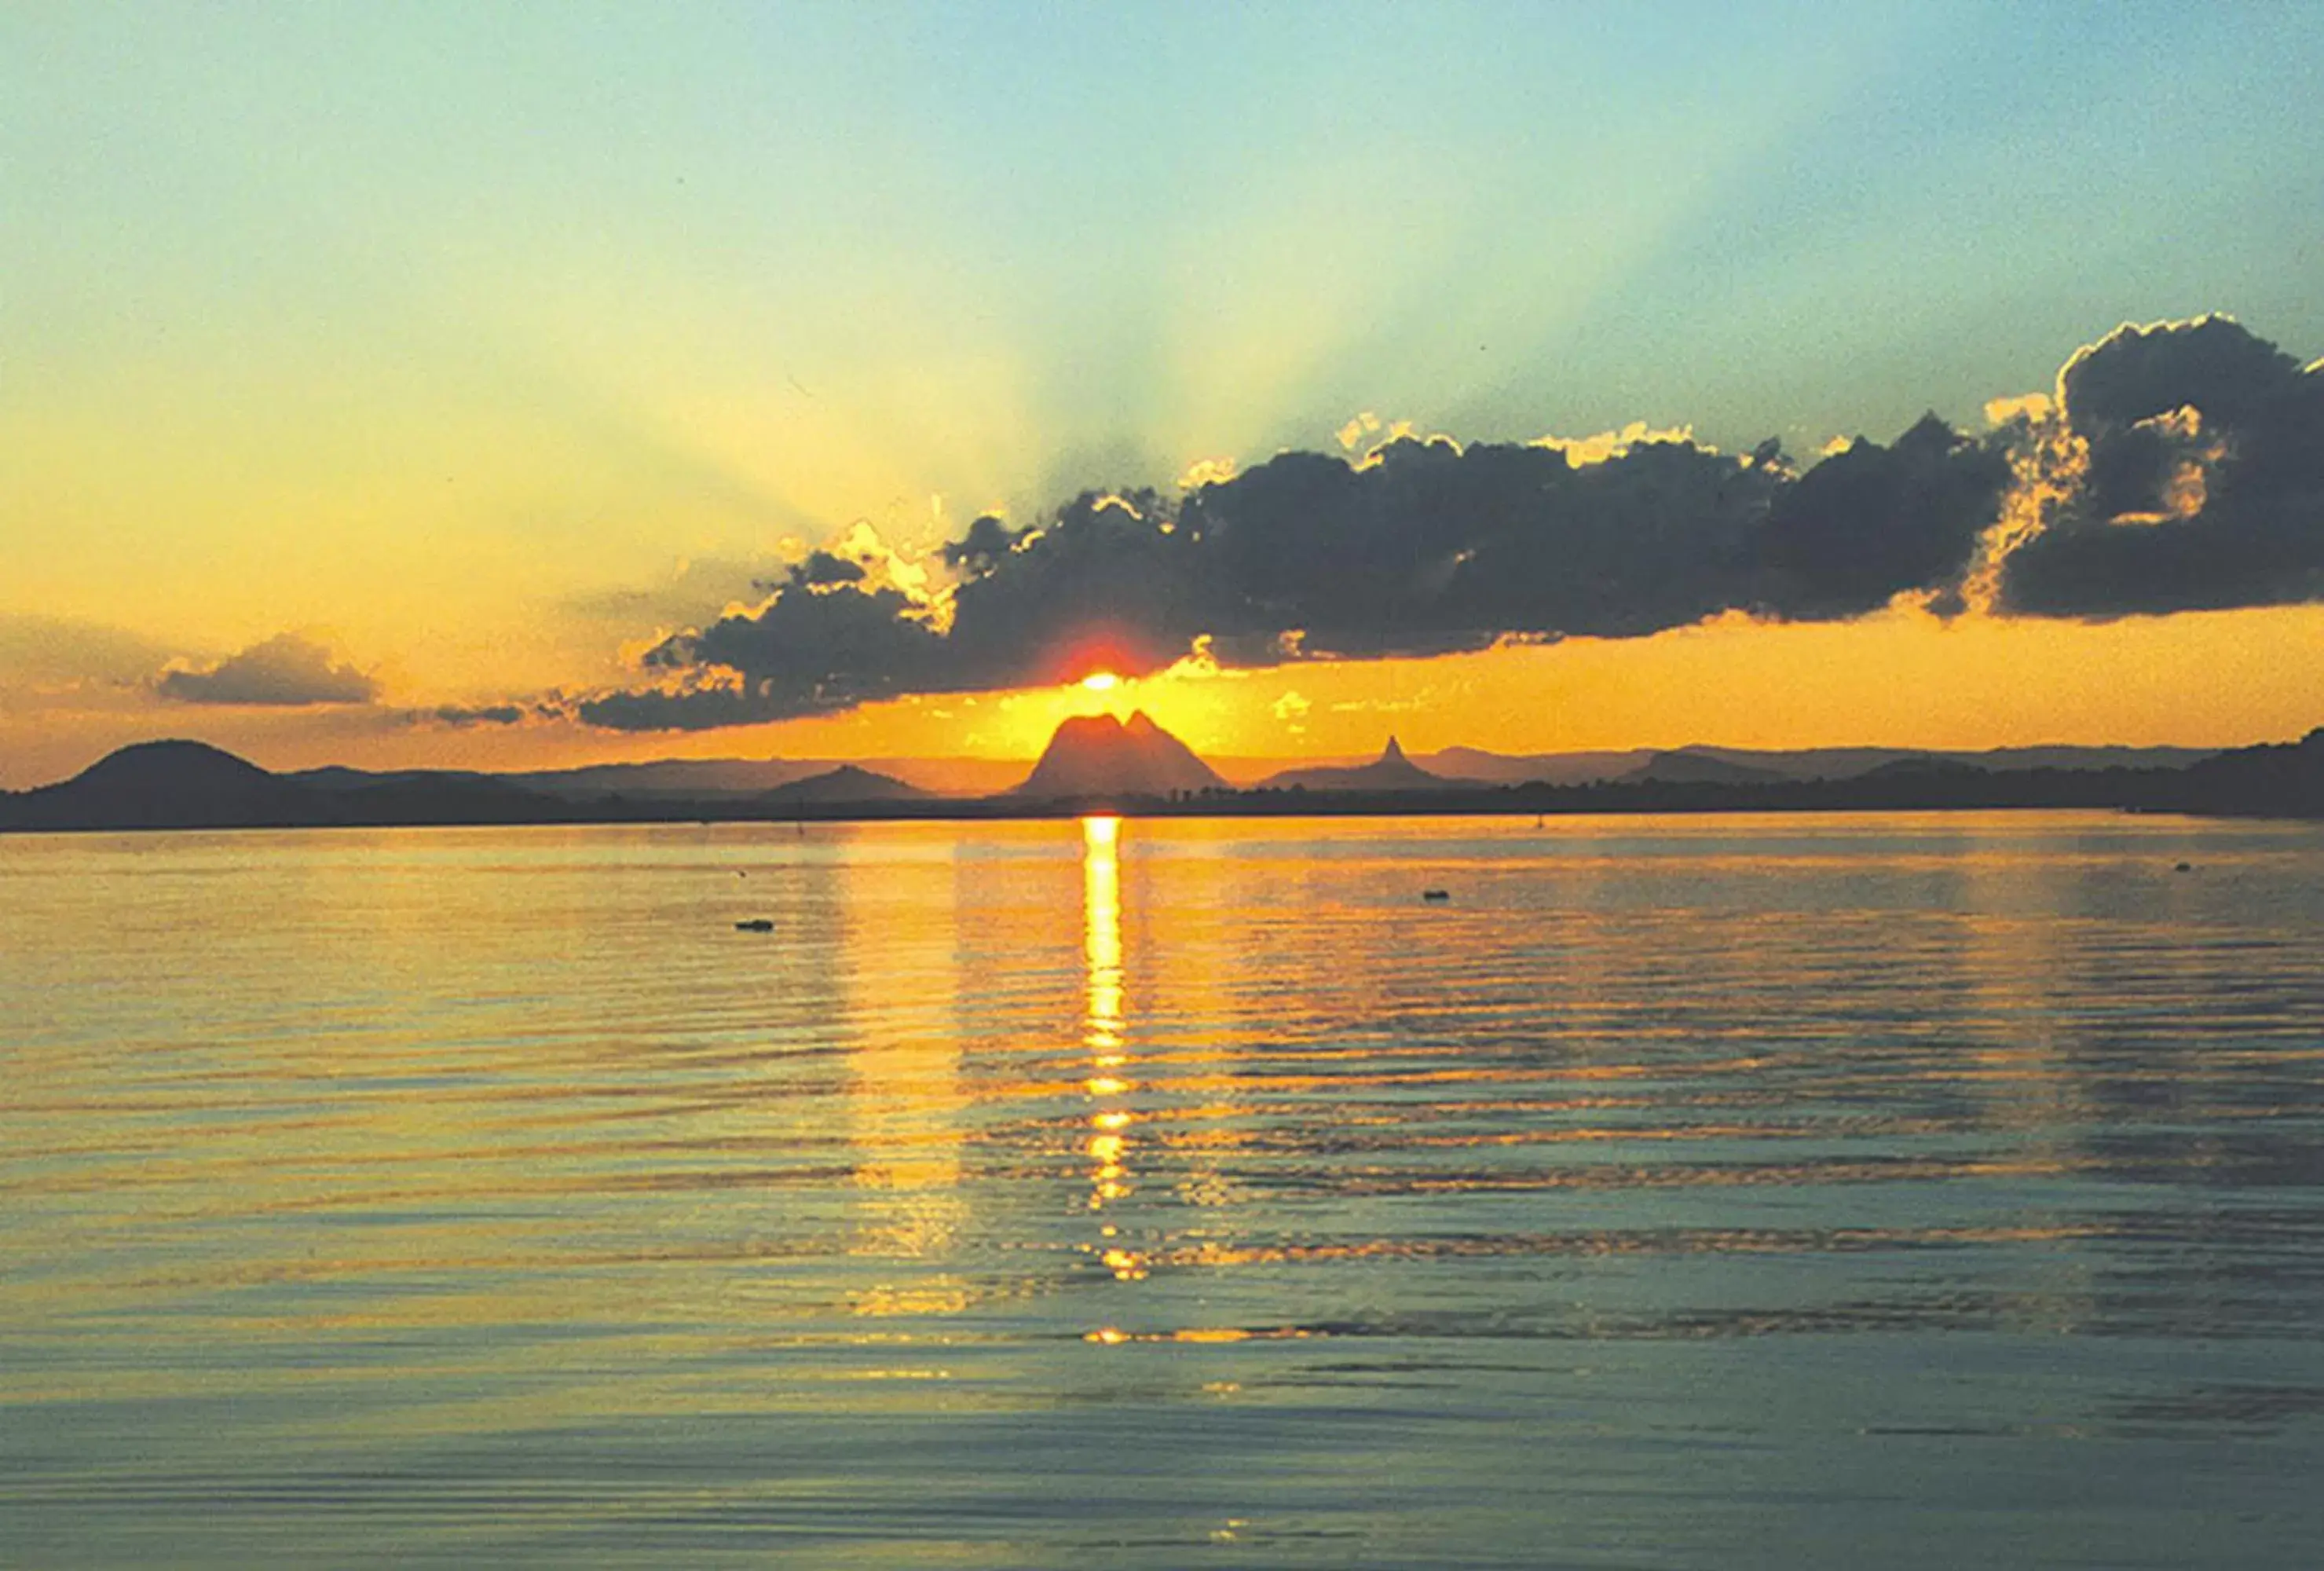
(1435, 895)
(755, 925)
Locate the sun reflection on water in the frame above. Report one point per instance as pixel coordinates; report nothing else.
(1101, 937)
(1102, 1035)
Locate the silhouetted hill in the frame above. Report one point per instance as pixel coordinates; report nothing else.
(1482, 767)
(443, 798)
(172, 784)
(2064, 756)
(191, 785)
(339, 777)
(419, 796)
(1390, 771)
(1097, 755)
(1839, 764)
(2274, 779)
(1692, 766)
(1766, 763)
(1807, 763)
(1921, 767)
(692, 779)
(847, 783)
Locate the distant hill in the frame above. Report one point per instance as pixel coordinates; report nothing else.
(1923, 767)
(1390, 771)
(731, 782)
(1704, 764)
(1475, 763)
(339, 777)
(2062, 756)
(1097, 755)
(1806, 762)
(1694, 766)
(2274, 779)
(188, 785)
(1855, 762)
(191, 785)
(694, 780)
(847, 783)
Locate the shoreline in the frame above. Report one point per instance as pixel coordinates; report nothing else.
(986, 811)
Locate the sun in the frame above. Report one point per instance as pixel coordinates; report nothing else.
(1101, 682)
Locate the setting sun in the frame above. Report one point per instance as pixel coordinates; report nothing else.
(1101, 682)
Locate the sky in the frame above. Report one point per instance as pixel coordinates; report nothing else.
(511, 384)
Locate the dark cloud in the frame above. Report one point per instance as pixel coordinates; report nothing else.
(2181, 465)
(1429, 549)
(813, 647)
(701, 708)
(2134, 373)
(822, 570)
(1422, 549)
(1111, 580)
(1871, 521)
(2193, 460)
(461, 714)
(286, 669)
(980, 550)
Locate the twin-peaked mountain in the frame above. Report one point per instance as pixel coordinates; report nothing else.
(1099, 757)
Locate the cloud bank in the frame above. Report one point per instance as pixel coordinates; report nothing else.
(2183, 467)
(286, 670)
(2175, 466)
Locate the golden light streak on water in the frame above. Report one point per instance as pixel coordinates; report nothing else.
(902, 1018)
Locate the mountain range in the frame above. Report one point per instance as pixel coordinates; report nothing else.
(1735, 765)
(1094, 759)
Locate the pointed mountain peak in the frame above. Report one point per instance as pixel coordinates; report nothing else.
(1139, 724)
(1390, 771)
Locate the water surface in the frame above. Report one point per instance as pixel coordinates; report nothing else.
(1683, 1192)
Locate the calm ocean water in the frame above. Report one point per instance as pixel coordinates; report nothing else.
(1903, 1190)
